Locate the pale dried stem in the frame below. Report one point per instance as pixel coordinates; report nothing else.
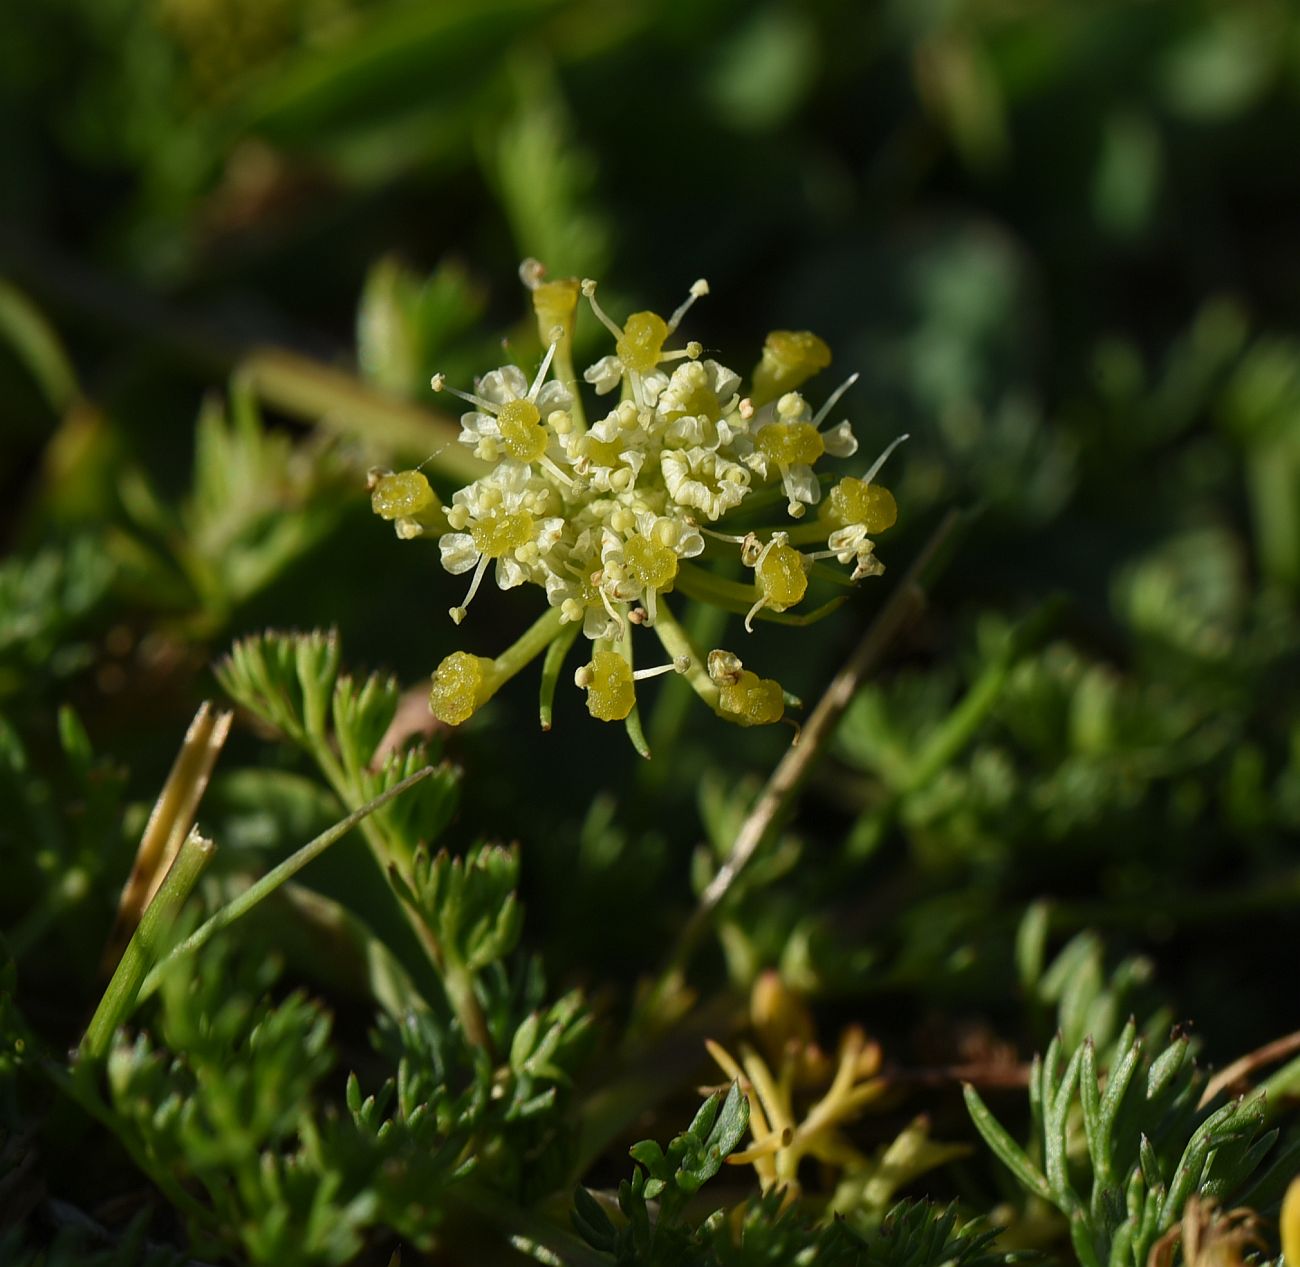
(169, 823)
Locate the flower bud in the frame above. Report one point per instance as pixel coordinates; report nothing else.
(790, 358)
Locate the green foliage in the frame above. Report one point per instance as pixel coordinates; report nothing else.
(670, 1176)
(259, 501)
(46, 601)
(225, 1102)
(1146, 1147)
(410, 327)
(1055, 242)
(293, 683)
(763, 1230)
(57, 865)
(469, 902)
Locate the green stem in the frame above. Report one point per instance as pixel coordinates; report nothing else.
(704, 626)
(145, 946)
(632, 722)
(551, 667)
(456, 977)
(564, 374)
(706, 587)
(458, 981)
(676, 642)
(464, 1002)
(263, 888)
(534, 640)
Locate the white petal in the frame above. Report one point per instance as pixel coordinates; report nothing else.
(459, 553)
(840, 441)
(652, 386)
(847, 539)
(801, 484)
(689, 544)
(597, 623)
(548, 533)
(725, 382)
(507, 383)
(558, 588)
(691, 432)
(607, 428)
(675, 470)
(553, 396)
(611, 547)
(605, 375)
(510, 572)
(731, 428)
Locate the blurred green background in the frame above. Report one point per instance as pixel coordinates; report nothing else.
(1059, 242)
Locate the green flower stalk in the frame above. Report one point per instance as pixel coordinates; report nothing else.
(606, 517)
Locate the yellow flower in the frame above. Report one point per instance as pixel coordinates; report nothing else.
(783, 1135)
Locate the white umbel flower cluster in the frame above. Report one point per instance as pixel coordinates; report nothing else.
(607, 515)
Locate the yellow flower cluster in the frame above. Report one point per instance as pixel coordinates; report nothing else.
(607, 513)
(803, 1100)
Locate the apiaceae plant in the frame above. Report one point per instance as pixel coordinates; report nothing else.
(339, 1068)
(611, 512)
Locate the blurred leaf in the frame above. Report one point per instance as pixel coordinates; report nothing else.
(34, 342)
(1225, 63)
(762, 74)
(407, 325)
(545, 178)
(1128, 174)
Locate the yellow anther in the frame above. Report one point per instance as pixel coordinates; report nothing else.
(790, 358)
(667, 532)
(790, 443)
(642, 343)
(852, 501)
(649, 564)
(611, 694)
(790, 407)
(402, 496)
(751, 700)
(501, 533)
(462, 684)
